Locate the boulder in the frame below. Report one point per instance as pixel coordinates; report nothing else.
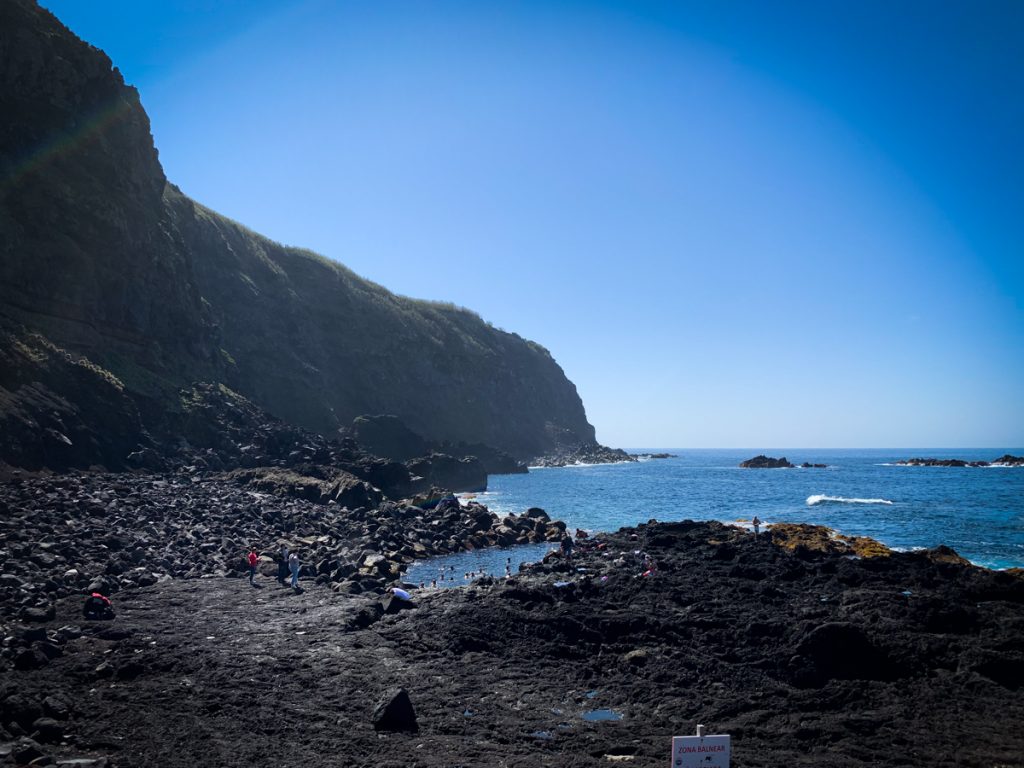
(347, 490)
(943, 554)
(30, 658)
(440, 469)
(27, 750)
(388, 436)
(838, 651)
(56, 707)
(393, 605)
(47, 730)
(18, 708)
(49, 613)
(394, 712)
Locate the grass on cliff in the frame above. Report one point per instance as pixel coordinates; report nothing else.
(39, 350)
(443, 321)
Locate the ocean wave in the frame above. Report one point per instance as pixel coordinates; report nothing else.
(579, 464)
(815, 500)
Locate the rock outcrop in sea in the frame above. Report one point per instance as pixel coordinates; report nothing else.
(587, 453)
(766, 462)
(1005, 460)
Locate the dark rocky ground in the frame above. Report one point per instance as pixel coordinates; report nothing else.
(804, 653)
(77, 533)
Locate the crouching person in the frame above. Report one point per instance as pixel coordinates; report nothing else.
(97, 606)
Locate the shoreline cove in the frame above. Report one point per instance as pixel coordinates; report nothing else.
(861, 493)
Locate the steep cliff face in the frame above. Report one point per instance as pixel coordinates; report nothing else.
(104, 257)
(86, 254)
(60, 411)
(317, 345)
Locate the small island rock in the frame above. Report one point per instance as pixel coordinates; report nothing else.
(766, 462)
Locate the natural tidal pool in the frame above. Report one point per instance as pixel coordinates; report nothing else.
(461, 568)
(600, 715)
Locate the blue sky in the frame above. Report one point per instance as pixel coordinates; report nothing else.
(733, 224)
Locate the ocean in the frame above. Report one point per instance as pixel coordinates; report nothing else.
(979, 512)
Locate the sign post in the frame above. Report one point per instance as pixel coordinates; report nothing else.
(700, 751)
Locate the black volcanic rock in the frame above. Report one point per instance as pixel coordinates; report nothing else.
(766, 462)
(933, 463)
(495, 462)
(60, 411)
(104, 258)
(1006, 460)
(215, 429)
(387, 435)
(838, 651)
(1010, 461)
(586, 453)
(441, 470)
(394, 712)
(342, 488)
(799, 660)
(79, 533)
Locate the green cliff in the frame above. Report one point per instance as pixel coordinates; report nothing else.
(103, 257)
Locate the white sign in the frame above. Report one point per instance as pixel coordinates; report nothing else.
(700, 751)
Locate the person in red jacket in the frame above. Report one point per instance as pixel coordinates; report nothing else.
(253, 559)
(97, 606)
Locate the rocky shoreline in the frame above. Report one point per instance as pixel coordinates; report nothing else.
(808, 648)
(79, 533)
(593, 453)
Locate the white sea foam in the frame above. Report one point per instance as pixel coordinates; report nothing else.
(579, 464)
(815, 500)
(993, 465)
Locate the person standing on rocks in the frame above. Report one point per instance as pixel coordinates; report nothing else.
(293, 566)
(282, 565)
(567, 546)
(253, 560)
(757, 525)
